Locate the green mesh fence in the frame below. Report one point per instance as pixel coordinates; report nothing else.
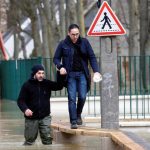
(12, 75)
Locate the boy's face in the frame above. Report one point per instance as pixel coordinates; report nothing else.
(40, 75)
(74, 34)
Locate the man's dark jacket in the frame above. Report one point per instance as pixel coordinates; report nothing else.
(36, 95)
(65, 51)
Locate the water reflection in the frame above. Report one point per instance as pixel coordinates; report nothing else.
(11, 132)
(12, 126)
(142, 132)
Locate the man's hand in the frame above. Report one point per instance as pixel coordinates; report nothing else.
(63, 71)
(28, 112)
(97, 77)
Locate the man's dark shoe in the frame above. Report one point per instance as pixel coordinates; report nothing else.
(74, 126)
(79, 121)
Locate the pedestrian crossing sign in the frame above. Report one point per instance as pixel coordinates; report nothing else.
(106, 23)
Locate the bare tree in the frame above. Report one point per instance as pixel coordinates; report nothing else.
(62, 19)
(48, 15)
(31, 10)
(134, 28)
(143, 25)
(143, 38)
(81, 16)
(44, 29)
(15, 14)
(55, 28)
(71, 15)
(26, 8)
(42, 14)
(53, 31)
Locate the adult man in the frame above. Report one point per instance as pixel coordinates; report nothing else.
(34, 102)
(71, 59)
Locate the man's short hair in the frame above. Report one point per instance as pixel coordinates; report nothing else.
(72, 26)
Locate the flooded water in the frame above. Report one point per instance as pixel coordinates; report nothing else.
(143, 132)
(12, 128)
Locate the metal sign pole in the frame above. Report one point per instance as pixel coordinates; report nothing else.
(109, 85)
(107, 25)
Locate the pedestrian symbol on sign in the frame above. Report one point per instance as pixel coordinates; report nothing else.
(107, 20)
(106, 23)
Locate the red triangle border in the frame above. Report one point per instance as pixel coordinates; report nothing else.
(111, 33)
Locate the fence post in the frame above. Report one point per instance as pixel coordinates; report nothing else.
(40, 60)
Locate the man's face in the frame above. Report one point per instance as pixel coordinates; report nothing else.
(40, 75)
(74, 34)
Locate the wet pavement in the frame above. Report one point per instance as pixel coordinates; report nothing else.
(12, 128)
(143, 132)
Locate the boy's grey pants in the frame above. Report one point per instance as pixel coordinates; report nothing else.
(33, 126)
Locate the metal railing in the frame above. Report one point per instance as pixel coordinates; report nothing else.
(133, 76)
(134, 86)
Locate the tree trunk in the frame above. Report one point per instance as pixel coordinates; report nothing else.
(55, 28)
(45, 46)
(62, 19)
(143, 25)
(35, 31)
(80, 16)
(134, 48)
(71, 15)
(50, 27)
(134, 28)
(143, 39)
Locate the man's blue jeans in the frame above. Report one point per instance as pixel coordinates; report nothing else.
(77, 83)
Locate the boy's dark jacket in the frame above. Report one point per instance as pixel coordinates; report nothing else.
(65, 51)
(36, 95)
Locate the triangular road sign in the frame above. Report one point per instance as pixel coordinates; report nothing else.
(105, 23)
